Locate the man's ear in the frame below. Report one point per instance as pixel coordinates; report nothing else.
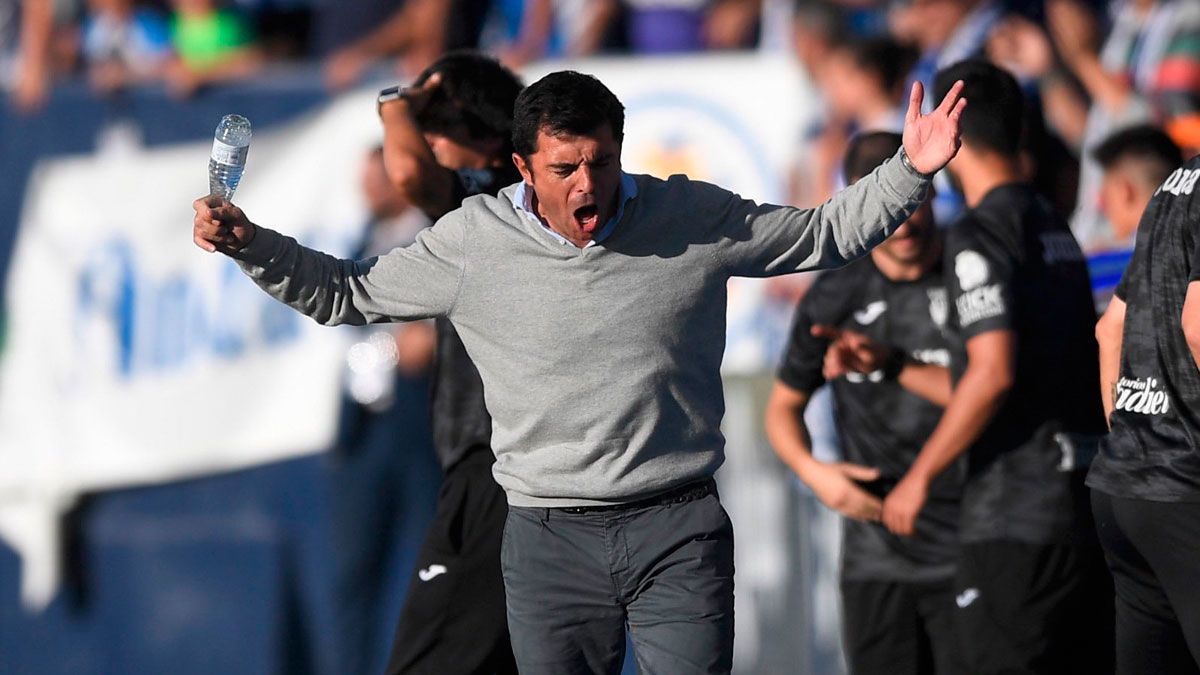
(523, 168)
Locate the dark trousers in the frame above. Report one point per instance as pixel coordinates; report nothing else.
(575, 580)
(1025, 608)
(1153, 550)
(900, 628)
(453, 622)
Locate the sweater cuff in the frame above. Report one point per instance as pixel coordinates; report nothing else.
(896, 174)
(260, 250)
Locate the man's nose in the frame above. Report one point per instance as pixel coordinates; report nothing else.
(587, 180)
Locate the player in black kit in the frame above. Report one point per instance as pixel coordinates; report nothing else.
(446, 138)
(1146, 481)
(897, 592)
(1031, 590)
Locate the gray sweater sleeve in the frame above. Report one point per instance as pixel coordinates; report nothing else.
(416, 282)
(766, 240)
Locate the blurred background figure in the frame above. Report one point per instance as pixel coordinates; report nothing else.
(863, 84)
(26, 51)
(1147, 69)
(1135, 161)
(123, 44)
(212, 43)
(415, 34)
(376, 499)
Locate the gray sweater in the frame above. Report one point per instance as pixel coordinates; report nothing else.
(601, 365)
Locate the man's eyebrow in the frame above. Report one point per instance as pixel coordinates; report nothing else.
(564, 165)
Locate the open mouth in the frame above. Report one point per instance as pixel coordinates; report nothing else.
(586, 217)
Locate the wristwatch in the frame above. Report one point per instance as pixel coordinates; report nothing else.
(389, 94)
(909, 165)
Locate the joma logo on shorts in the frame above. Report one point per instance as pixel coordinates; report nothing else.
(1141, 396)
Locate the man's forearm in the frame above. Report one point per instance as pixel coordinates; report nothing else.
(1109, 335)
(788, 435)
(411, 166)
(930, 382)
(971, 407)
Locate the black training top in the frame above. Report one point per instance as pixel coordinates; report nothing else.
(1013, 264)
(461, 423)
(881, 424)
(1153, 451)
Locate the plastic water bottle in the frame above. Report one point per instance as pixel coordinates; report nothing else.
(228, 159)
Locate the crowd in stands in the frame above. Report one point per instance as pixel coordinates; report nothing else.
(1091, 67)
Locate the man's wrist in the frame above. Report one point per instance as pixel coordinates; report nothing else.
(249, 240)
(391, 95)
(907, 162)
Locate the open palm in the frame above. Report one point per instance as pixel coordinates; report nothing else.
(932, 140)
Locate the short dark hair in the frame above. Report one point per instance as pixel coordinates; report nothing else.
(565, 102)
(1147, 145)
(883, 57)
(868, 151)
(995, 110)
(476, 93)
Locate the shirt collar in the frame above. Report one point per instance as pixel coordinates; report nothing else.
(522, 200)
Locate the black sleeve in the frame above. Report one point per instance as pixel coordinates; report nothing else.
(804, 356)
(978, 280)
(1123, 285)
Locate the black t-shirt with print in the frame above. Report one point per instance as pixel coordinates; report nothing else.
(461, 423)
(880, 423)
(1153, 451)
(1013, 264)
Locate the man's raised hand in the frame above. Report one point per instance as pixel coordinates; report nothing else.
(220, 226)
(932, 140)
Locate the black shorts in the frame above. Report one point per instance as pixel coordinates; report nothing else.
(454, 614)
(1034, 608)
(900, 628)
(1153, 550)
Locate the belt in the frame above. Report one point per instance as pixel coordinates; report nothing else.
(679, 495)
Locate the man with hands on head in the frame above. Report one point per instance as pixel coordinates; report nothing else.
(593, 303)
(1031, 591)
(446, 138)
(897, 592)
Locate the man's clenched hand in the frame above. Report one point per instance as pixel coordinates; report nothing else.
(221, 226)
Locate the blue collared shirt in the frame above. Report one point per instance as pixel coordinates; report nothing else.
(522, 200)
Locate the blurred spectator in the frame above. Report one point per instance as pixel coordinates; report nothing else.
(123, 44)
(1148, 69)
(417, 32)
(945, 32)
(212, 44)
(679, 26)
(1047, 163)
(862, 82)
(527, 30)
(817, 27)
(26, 29)
(1135, 162)
(383, 432)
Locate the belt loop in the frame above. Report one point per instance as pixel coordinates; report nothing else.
(545, 516)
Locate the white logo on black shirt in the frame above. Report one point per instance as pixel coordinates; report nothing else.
(1141, 396)
(1180, 182)
(867, 315)
(429, 573)
(971, 268)
(964, 599)
(979, 304)
(938, 307)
